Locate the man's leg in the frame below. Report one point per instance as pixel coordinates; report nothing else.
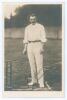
(39, 63)
(32, 65)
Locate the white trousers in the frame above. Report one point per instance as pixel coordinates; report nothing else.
(35, 57)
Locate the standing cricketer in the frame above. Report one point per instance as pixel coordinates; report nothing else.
(34, 41)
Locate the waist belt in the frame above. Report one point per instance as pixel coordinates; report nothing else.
(34, 41)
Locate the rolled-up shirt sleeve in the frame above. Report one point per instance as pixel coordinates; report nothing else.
(25, 37)
(43, 34)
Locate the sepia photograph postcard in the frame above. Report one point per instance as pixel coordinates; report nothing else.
(33, 49)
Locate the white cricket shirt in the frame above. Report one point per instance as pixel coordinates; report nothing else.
(35, 32)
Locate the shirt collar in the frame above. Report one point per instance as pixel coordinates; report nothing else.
(34, 25)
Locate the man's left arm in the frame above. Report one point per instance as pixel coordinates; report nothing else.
(43, 36)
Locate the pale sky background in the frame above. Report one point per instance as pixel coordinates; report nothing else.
(10, 8)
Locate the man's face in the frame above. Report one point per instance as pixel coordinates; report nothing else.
(33, 19)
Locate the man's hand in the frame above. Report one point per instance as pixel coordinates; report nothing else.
(42, 50)
(43, 44)
(24, 51)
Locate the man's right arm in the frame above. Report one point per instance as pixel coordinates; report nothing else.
(25, 41)
(25, 49)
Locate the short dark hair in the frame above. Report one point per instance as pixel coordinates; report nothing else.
(32, 15)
